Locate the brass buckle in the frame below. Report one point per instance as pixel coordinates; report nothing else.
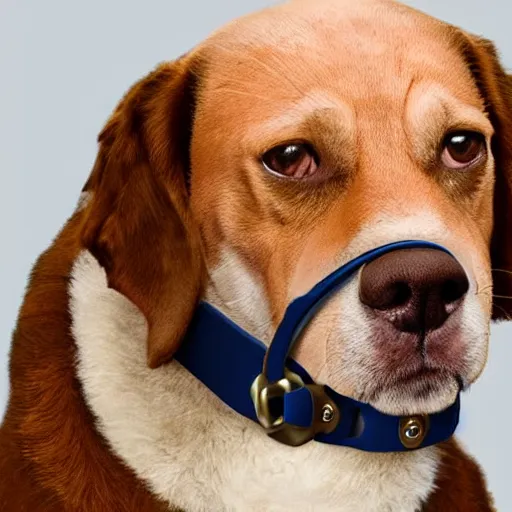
(266, 396)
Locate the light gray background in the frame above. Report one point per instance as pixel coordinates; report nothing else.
(64, 65)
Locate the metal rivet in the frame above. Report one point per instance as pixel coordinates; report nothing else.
(413, 431)
(327, 413)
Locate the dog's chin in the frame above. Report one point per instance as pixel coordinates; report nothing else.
(418, 396)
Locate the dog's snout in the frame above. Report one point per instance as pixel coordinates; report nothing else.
(414, 289)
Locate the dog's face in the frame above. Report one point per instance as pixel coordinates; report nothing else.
(289, 143)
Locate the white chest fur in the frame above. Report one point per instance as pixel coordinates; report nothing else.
(196, 453)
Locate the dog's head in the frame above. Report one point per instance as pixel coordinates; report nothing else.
(292, 141)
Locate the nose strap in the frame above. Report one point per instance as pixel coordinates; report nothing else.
(300, 312)
(267, 386)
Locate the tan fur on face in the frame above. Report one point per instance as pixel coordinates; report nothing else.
(377, 126)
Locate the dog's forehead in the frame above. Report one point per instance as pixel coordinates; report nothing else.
(292, 23)
(350, 50)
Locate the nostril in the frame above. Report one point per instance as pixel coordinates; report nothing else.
(385, 296)
(403, 294)
(453, 290)
(394, 295)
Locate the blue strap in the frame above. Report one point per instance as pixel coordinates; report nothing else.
(301, 310)
(227, 359)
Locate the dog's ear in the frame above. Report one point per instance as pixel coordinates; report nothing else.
(137, 222)
(495, 86)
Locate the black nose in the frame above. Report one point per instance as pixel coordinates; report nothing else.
(414, 289)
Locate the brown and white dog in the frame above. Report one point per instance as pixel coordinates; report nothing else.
(286, 144)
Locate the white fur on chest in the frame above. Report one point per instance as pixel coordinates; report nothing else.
(196, 453)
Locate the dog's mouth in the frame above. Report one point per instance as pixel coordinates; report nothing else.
(406, 375)
(422, 375)
(422, 389)
(419, 384)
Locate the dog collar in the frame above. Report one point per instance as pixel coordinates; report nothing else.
(265, 385)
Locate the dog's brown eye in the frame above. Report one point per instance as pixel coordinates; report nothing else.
(295, 160)
(461, 149)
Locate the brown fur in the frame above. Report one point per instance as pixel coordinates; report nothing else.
(496, 88)
(138, 220)
(51, 457)
(54, 458)
(151, 225)
(460, 484)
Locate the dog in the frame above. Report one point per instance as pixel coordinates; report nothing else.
(241, 174)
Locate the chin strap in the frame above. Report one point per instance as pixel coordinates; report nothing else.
(265, 385)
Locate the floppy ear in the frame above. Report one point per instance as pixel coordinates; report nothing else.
(496, 89)
(138, 223)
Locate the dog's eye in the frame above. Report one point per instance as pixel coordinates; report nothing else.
(461, 149)
(295, 160)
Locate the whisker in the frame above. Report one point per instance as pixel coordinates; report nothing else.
(502, 297)
(507, 316)
(484, 290)
(501, 270)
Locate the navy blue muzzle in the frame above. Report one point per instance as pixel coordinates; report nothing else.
(265, 385)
